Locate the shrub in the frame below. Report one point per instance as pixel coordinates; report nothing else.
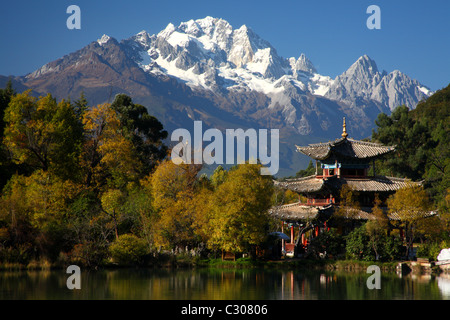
(89, 254)
(431, 249)
(361, 246)
(328, 242)
(128, 249)
(357, 246)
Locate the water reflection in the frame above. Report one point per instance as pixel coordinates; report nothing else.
(443, 282)
(220, 285)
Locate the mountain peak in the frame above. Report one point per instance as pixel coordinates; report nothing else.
(206, 69)
(104, 39)
(170, 28)
(367, 63)
(302, 64)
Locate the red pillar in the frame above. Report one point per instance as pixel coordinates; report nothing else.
(292, 234)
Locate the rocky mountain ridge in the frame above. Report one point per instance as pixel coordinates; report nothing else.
(207, 70)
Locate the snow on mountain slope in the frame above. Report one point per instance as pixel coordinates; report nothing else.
(222, 63)
(210, 54)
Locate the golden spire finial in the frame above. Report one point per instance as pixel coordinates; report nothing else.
(344, 130)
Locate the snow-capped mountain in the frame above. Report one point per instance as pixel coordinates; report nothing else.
(229, 78)
(210, 54)
(363, 81)
(201, 51)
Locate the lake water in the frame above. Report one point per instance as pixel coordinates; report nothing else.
(207, 284)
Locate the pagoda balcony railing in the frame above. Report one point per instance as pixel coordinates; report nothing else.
(312, 202)
(343, 176)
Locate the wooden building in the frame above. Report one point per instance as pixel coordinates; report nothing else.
(339, 163)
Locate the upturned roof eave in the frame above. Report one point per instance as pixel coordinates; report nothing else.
(329, 148)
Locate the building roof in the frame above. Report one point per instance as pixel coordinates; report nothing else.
(346, 148)
(370, 184)
(312, 184)
(296, 212)
(299, 212)
(302, 185)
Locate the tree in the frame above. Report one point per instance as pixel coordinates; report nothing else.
(239, 214)
(422, 140)
(43, 134)
(348, 202)
(145, 131)
(218, 177)
(309, 171)
(7, 168)
(15, 222)
(112, 200)
(107, 156)
(361, 246)
(36, 209)
(411, 141)
(141, 203)
(412, 205)
(173, 191)
(377, 228)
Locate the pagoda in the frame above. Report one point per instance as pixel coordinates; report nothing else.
(341, 162)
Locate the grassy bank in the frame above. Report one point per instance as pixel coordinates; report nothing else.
(183, 261)
(290, 264)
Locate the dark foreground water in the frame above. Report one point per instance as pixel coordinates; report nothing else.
(206, 284)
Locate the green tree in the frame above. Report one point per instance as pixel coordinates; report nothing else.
(218, 177)
(309, 171)
(140, 202)
(361, 245)
(410, 139)
(144, 130)
(422, 140)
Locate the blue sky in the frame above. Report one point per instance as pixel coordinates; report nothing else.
(414, 35)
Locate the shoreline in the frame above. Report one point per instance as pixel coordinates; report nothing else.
(404, 267)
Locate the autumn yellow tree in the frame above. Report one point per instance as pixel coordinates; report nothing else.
(107, 156)
(112, 201)
(173, 188)
(412, 205)
(239, 212)
(377, 228)
(348, 202)
(15, 215)
(36, 208)
(141, 200)
(43, 134)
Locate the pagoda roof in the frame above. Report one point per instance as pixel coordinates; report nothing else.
(313, 184)
(345, 147)
(300, 212)
(297, 212)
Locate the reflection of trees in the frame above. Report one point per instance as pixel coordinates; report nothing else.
(216, 284)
